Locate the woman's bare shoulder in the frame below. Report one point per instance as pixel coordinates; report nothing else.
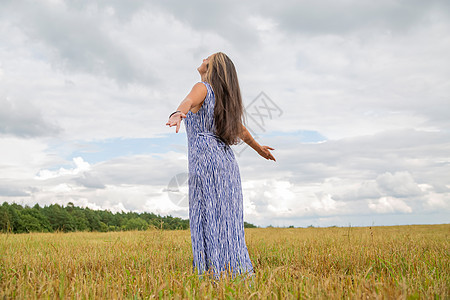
(199, 89)
(197, 96)
(201, 86)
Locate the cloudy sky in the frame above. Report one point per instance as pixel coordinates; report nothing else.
(359, 92)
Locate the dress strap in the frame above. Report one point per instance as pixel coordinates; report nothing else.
(208, 86)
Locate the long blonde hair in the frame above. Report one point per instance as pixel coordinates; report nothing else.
(228, 110)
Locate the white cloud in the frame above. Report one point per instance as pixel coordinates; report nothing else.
(22, 158)
(262, 24)
(390, 205)
(80, 167)
(23, 119)
(399, 184)
(437, 201)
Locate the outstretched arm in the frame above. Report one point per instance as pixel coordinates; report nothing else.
(262, 150)
(193, 99)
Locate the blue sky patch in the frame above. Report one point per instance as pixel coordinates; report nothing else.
(104, 150)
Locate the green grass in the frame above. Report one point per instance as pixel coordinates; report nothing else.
(406, 262)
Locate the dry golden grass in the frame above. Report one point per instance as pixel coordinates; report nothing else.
(400, 262)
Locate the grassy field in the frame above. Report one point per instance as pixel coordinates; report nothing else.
(400, 262)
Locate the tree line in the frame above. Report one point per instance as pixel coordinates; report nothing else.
(16, 218)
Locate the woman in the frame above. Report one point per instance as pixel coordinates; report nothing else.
(213, 113)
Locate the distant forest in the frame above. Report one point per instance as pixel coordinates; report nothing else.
(18, 219)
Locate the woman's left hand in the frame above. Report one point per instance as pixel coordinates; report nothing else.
(264, 152)
(175, 119)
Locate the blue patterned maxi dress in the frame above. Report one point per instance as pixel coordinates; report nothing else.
(215, 198)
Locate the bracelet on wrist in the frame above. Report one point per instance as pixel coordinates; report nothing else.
(174, 113)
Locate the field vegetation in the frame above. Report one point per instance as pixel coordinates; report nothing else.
(399, 262)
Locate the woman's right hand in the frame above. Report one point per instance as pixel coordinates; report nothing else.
(264, 152)
(175, 119)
